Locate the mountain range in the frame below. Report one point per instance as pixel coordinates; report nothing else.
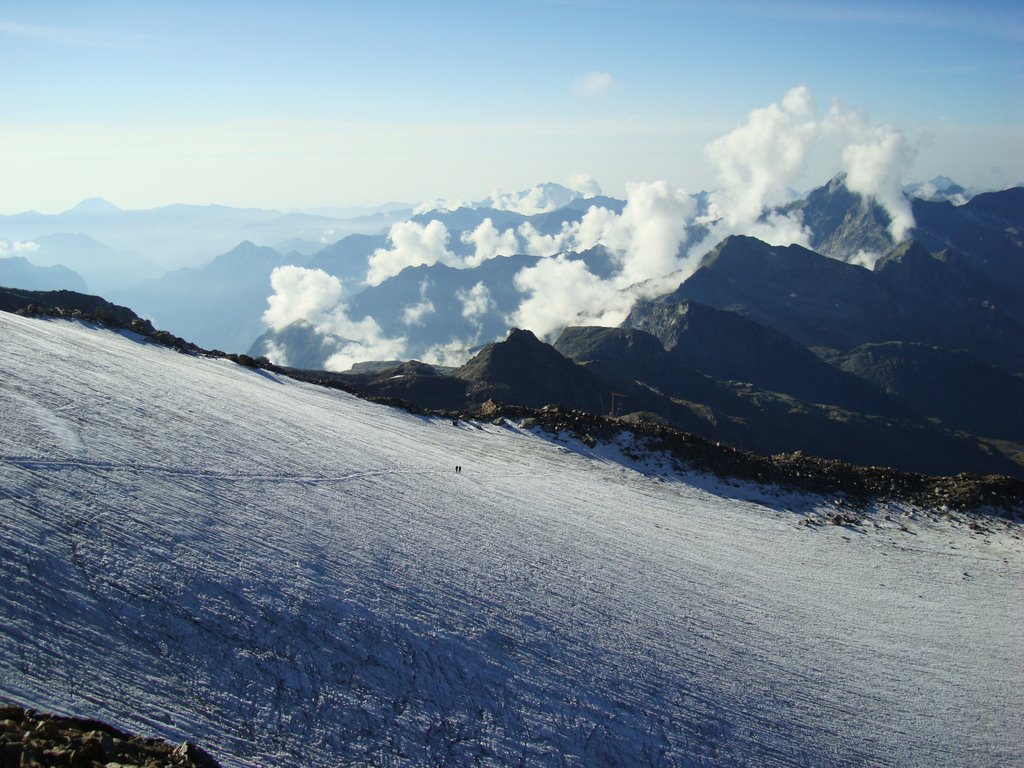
(173, 236)
(915, 362)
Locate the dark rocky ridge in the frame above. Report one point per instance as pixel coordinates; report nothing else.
(532, 371)
(792, 470)
(29, 739)
(23, 301)
(842, 222)
(974, 396)
(727, 345)
(913, 295)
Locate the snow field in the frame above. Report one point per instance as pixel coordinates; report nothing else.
(291, 576)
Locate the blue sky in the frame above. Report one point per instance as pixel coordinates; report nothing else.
(340, 103)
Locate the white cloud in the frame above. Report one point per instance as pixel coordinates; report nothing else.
(489, 242)
(777, 229)
(441, 204)
(412, 244)
(9, 247)
(538, 244)
(415, 313)
(276, 354)
(645, 239)
(599, 225)
(759, 160)
(655, 220)
(314, 297)
(476, 302)
(561, 292)
(373, 346)
(584, 184)
(865, 259)
(876, 164)
(452, 353)
(541, 198)
(595, 83)
(310, 295)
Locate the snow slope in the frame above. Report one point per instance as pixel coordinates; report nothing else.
(294, 577)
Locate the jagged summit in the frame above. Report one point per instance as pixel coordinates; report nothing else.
(910, 253)
(741, 252)
(842, 223)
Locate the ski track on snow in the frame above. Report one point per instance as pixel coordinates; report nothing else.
(293, 577)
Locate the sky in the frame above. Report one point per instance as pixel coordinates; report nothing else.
(313, 104)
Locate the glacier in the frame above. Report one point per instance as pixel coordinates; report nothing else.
(291, 576)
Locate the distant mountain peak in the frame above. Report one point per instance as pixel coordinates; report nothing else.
(541, 198)
(95, 205)
(943, 182)
(522, 336)
(937, 189)
(501, 359)
(523, 369)
(743, 251)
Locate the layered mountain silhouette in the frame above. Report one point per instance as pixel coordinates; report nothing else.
(19, 271)
(174, 236)
(217, 306)
(728, 346)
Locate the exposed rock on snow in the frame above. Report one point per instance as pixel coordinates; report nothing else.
(29, 739)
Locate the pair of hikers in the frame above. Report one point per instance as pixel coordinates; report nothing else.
(458, 469)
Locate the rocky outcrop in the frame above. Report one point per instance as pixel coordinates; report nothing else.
(29, 739)
(35, 303)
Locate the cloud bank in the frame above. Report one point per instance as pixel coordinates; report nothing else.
(644, 241)
(759, 160)
(648, 245)
(9, 247)
(412, 244)
(488, 243)
(312, 296)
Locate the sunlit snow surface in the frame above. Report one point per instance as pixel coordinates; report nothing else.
(293, 577)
